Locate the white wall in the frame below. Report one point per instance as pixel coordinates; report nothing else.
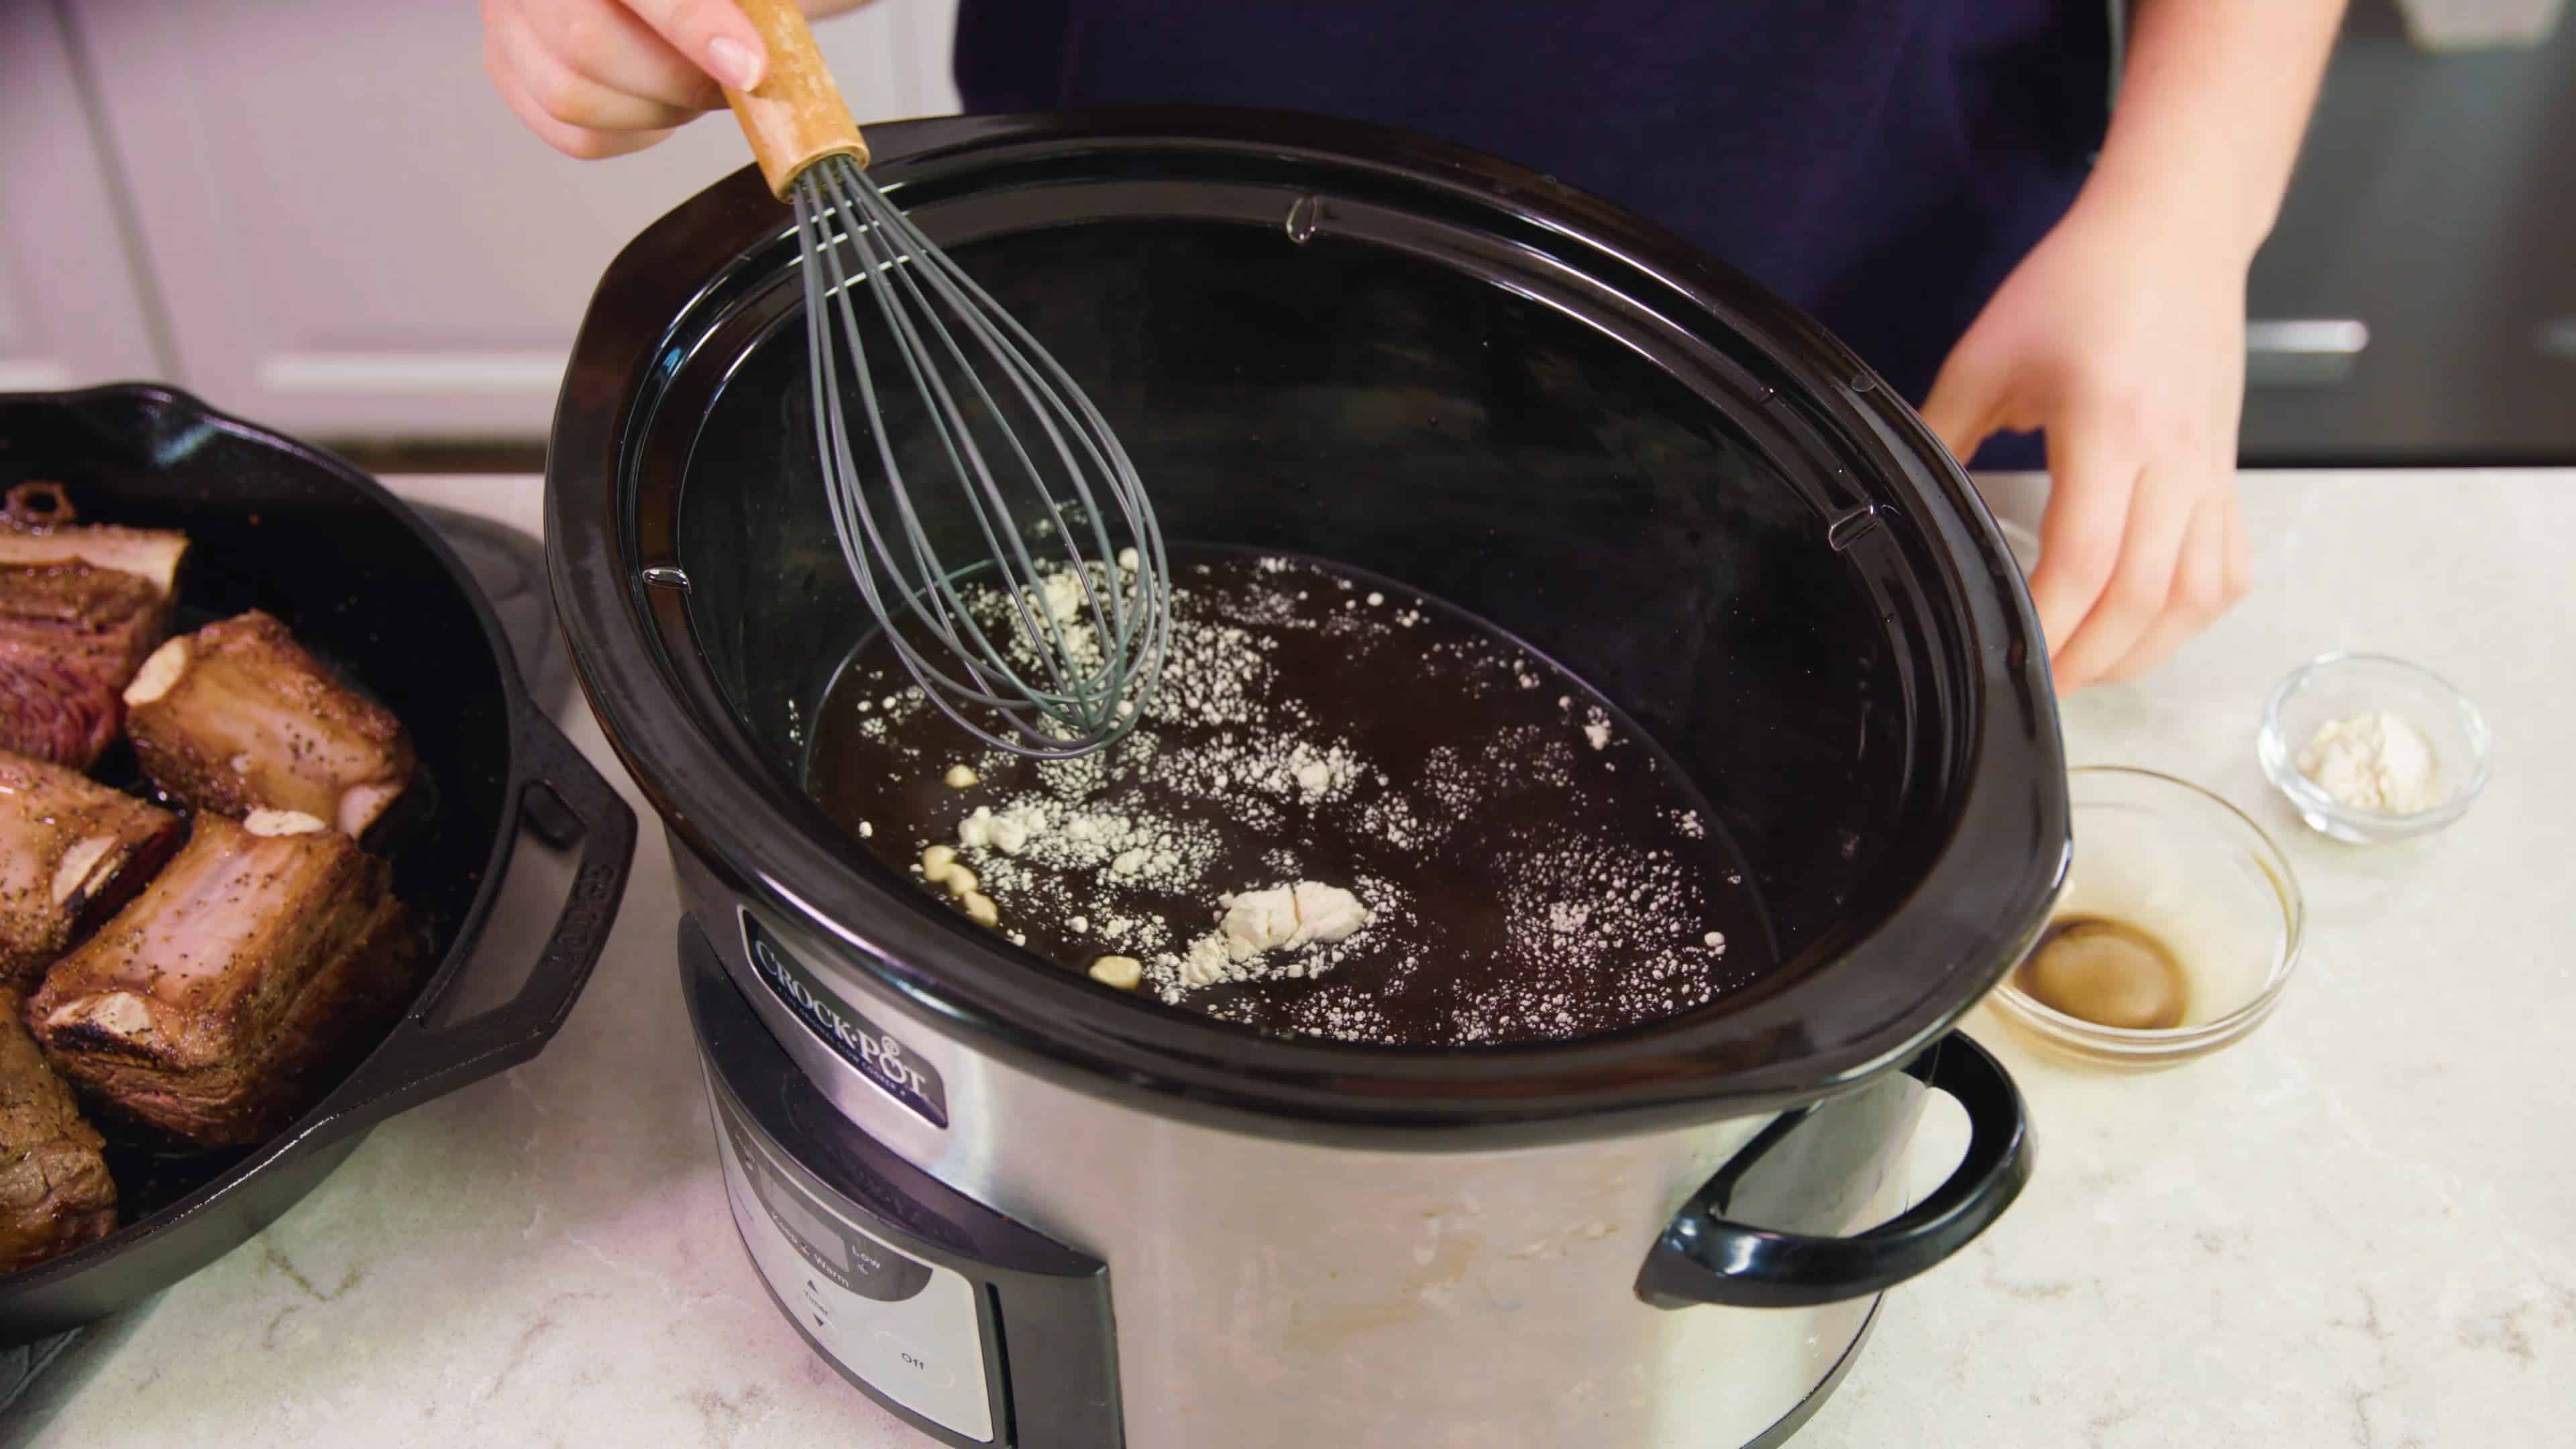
(70, 312)
(344, 231)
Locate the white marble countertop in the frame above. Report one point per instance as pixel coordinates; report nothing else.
(2357, 1227)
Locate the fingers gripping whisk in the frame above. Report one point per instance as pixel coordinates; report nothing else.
(998, 531)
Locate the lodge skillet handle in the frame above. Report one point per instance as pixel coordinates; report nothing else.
(795, 116)
(1703, 1258)
(564, 800)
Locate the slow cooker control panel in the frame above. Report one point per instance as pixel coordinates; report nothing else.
(905, 1285)
(908, 1328)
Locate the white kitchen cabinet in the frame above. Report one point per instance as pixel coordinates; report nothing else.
(72, 308)
(350, 236)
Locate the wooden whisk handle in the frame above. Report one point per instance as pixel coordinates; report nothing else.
(795, 116)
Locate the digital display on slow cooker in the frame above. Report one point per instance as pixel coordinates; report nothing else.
(853, 1262)
(800, 1223)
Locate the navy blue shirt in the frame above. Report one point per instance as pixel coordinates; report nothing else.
(1880, 163)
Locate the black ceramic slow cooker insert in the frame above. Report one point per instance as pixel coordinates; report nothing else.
(1326, 339)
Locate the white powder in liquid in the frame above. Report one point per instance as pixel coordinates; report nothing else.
(1594, 929)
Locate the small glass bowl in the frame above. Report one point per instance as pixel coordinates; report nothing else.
(2167, 857)
(2339, 686)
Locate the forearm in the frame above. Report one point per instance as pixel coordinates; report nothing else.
(2214, 100)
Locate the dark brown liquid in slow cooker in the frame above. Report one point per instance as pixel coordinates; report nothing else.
(1534, 867)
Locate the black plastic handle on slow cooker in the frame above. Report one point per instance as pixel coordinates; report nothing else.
(1702, 1258)
(564, 800)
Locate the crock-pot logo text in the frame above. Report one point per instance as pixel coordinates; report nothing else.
(862, 1043)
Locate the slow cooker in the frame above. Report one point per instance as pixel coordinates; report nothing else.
(1019, 1207)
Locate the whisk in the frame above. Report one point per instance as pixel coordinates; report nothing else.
(1071, 662)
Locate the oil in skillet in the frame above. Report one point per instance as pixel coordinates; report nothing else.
(2107, 972)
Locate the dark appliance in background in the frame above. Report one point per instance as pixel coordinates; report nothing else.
(2417, 302)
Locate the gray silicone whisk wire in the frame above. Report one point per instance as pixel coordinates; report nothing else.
(1015, 566)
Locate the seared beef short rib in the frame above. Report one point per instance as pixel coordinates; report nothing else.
(71, 635)
(228, 997)
(55, 1193)
(71, 852)
(38, 525)
(238, 717)
(80, 607)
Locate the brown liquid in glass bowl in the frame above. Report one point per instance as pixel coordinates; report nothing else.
(2107, 972)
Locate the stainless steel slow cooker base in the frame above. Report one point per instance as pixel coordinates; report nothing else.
(912, 1290)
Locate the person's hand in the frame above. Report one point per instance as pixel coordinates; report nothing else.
(600, 78)
(2123, 335)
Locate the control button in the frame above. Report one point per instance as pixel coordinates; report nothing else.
(921, 1370)
(880, 1273)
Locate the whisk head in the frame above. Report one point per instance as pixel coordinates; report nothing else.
(1040, 632)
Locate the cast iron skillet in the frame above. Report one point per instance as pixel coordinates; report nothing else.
(366, 585)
